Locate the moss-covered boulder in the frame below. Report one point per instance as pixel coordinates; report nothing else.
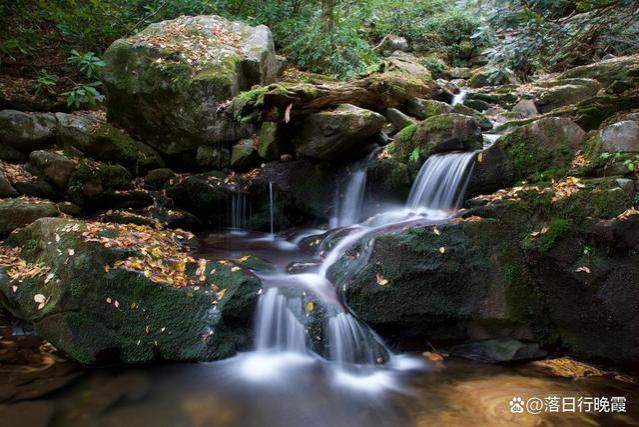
(624, 68)
(541, 146)
(104, 293)
(16, 213)
(27, 131)
(388, 181)
(622, 135)
(492, 171)
(398, 119)
(448, 132)
(54, 167)
(425, 108)
(271, 144)
(491, 75)
(156, 179)
(106, 143)
(208, 157)
(93, 181)
(166, 83)
(244, 155)
(6, 189)
(329, 135)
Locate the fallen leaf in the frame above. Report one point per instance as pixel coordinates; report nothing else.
(583, 269)
(39, 298)
(108, 300)
(381, 281)
(436, 231)
(442, 250)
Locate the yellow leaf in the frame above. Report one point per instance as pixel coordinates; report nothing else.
(236, 268)
(107, 268)
(436, 231)
(220, 294)
(442, 250)
(480, 157)
(310, 306)
(108, 300)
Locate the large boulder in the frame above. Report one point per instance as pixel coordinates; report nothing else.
(166, 83)
(104, 293)
(492, 171)
(542, 264)
(425, 108)
(94, 184)
(490, 75)
(543, 145)
(27, 131)
(328, 135)
(6, 189)
(16, 213)
(559, 93)
(624, 69)
(104, 142)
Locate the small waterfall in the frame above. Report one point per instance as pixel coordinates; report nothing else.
(441, 182)
(239, 210)
(271, 207)
(352, 342)
(459, 97)
(277, 327)
(348, 204)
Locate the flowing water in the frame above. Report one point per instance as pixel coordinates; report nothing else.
(348, 201)
(356, 381)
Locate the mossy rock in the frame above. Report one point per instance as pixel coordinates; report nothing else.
(168, 95)
(204, 195)
(609, 71)
(99, 315)
(92, 179)
(27, 131)
(425, 108)
(541, 145)
(16, 213)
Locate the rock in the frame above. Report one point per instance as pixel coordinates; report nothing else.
(459, 73)
(410, 65)
(38, 187)
(491, 172)
(212, 158)
(398, 119)
(55, 167)
(270, 145)
(106, 143)
(92, 181)
(424, 108)
(6, 189)
(244, 155)
(204, 195)
(329, 135)
(477, 104)
(97, 313)
(627, 185)
(491, 76)
(621, 136)
(448, 132)
(169, 99)
(16, 213)
(526, 108)
(560, 93)
(484, 122)
(27, 131)
(388, 181)
(28, 414)
(497, 350)
(608, 71)
(157, 178)
(12, 155)
(396, 43)
(546, 143)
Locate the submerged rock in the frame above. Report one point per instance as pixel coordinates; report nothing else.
(166, 83)
(329, 135)
(96, 310)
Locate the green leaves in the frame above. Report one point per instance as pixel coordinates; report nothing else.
(84, 93)
(87, 62)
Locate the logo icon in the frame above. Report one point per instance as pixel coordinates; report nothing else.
(516, 405)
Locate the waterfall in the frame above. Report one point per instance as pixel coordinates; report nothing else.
(271, 207)
(277, 327)
(239, 210)
(352, 342)
(347, 208)
(459, 97)
(441, 182)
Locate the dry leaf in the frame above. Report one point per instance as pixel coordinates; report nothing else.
(442, 250)
(381, 281)
(583, 269)
(39, 298)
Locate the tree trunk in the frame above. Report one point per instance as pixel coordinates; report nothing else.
(327, 14)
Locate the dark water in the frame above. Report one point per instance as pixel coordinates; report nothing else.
(289, 390)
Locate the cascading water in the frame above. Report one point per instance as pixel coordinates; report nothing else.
(271, 207)
(348, 204)
(239, 210)
(352, 342)
(277, 327)
(441, 182)
(459, 97)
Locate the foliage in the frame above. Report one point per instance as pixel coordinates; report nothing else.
(435, 65)
(84, 93)
(44, 83)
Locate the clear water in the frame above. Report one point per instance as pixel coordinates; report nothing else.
(348, 201)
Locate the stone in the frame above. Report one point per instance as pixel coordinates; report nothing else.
(16, 213)
(448, 132)
(621, 136)
(410, 65)
(490, 75)
(492, 171)
(270, 147)
(93, 181)
(330, 135)
(204, 195)
(6, 189)
(459, 73)
(212, 158)
(484, 122)
(477, 104)
(244, 155)
(27, 131)
(396, 43)
(12, 155)
(627, 185)
(398, 119)
(608, 71)
(157, 178)
(425, 108)
(550, 142)
(561, 93)
(169, 99)
(54, 167)
(96, 313)
(526, 108)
